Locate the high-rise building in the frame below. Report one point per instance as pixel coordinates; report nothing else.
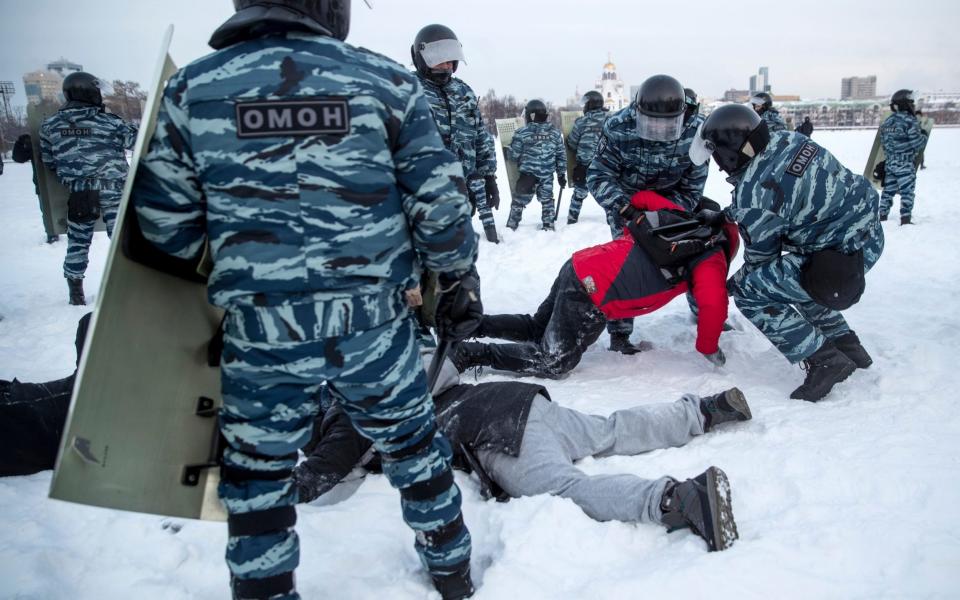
(64, 67)
(858, 88)
(43, 86)
(761, 81)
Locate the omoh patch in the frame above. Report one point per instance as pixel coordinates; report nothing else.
(293, 118)
(803, 159)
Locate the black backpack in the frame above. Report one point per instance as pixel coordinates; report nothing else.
(673, 238)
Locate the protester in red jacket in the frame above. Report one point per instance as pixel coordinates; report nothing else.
(615, 280)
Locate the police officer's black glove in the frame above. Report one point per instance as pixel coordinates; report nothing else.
(562, 180)
(459, 308)
(710, 217)
(493, 192)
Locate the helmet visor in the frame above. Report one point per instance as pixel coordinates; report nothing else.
(701, 149)
(441, 51)
(659, 129)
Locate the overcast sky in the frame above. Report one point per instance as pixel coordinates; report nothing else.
(540, 48)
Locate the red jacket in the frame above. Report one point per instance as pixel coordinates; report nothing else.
(624, 282)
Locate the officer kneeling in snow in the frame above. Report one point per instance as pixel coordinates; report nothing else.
(810, 229)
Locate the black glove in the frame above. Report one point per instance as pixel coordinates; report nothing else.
(717, 358)
(562, 180)
(710, 217)
(493, 192)
(630, 213)
(459, 308)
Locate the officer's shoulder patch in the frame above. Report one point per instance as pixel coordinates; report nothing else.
(325, 115)
(802, 159)
(76, 131)
(601, 145)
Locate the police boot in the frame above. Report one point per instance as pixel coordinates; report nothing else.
(547, 227)
(571, 220)
(883, 218)
(849, 344)
(702, 504)
(825, 368)
(76, 291)
(491, 232)
(905, 220)
(620, 342)
(277, 586)
(471, 354)
(454, 586)
(724, 407)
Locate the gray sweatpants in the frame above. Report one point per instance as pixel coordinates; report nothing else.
(555, 437)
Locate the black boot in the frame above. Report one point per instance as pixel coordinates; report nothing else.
(471, 354)
(724, 407)
(702, 504)
(620, 342)
(572, 220)
(491, 232)
(264, 588)
(905, 220)
(76, 292)
(454, 586)
(883, 218)
(547, 227)
(826, 367)
(849, 344)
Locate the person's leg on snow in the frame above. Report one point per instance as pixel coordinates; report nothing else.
(79, 237)
(516, 210)
(109, 205)
(890, 189)
(576, 204)
(906, 178)
(478, 193)
(547, 205)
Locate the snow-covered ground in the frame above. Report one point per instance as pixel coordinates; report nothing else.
(854, 497)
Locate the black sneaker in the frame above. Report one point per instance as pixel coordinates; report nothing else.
(826, 367)
(724, 407)
(849, 344)
(455, 586)
(702, 504)
(620, 342)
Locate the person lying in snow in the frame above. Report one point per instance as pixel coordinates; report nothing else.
(519, 443)
(32, 418)
(616, 280)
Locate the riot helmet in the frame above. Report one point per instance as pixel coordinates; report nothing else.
(436, 45)
(902, 101)
(660, 109)
(535, 112)
(691, 105)
(592, 100)
(256, 18)
(733, 134)
(82, 87)
(761, 102)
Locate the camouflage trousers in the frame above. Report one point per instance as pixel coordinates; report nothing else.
(576, 202)
(771, 297)
(272, 373)
(544, 193)
(900, 179)
(80, 235)
(478, 195)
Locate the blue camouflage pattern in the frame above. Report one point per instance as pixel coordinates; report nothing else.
(86, 147)
(582, 141)
(783, 219)
(774, 121)
(902, 138)
(456, 111)
(538, 150)
(625, 164)
(314, 238)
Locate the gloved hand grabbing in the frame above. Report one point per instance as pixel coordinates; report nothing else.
(459, 308)
(493, 192)
(630, 212)
(562, 180)
(710, 217)
(717, 358)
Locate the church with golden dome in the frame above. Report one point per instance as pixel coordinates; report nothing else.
(611, 87)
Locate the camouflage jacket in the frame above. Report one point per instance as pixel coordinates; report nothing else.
(537, 148)
(457, 113)
(585, 135)
(315, 172)
(774, 121)
(86, 146)
(797, 197)
(625, 164)
(901, 137)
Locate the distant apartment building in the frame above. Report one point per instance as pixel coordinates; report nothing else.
(41, 86)
(858, 88)
(64, 67)
(738, 96)
(761, 81)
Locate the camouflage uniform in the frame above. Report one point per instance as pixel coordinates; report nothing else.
(538, 150)
(85, 146)
(625, 164)
(774, 121)
(901, 137)
(583, 143)
(780, 207)
(314, 238)
(457, 113)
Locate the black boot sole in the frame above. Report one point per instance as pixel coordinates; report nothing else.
(738, 402)
(721, 510)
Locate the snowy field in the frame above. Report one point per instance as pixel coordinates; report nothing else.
(854, 497)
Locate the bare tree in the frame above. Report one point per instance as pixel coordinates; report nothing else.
(126, 100)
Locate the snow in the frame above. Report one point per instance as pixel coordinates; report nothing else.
(853, 497)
